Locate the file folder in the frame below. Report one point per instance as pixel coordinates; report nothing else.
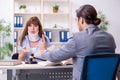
(15, 36)
(64, 35)
(20, 21)
(49, 35)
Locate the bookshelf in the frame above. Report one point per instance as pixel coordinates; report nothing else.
(57, 26)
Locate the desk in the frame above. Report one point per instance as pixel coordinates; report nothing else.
(38, 72)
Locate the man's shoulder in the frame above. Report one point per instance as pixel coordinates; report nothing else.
(76, 34)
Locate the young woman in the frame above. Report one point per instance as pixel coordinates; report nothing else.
(30, 39)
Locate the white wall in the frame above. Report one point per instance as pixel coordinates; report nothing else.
(6, 10)
(109, 7)
(6, 13)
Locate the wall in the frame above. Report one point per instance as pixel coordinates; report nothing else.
(109, 7)
(6, 12)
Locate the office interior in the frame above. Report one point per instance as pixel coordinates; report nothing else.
(109, 8)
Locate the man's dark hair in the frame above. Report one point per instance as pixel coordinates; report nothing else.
(89, 13)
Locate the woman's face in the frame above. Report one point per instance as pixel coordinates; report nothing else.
(33, 29)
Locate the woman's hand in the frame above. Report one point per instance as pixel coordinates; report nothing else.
(25, 50)
(22, 53)
(43, 44)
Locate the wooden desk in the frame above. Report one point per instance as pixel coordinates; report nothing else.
(38, 72)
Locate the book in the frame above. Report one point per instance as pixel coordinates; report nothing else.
(67, 62)
(10, 62)
(49, 63)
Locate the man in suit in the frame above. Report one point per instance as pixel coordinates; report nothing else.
(89, 40)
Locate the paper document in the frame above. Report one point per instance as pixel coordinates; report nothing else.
(9, 62)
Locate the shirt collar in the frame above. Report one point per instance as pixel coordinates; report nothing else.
(90, 26)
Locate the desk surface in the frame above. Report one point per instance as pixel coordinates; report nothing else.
(40, 65)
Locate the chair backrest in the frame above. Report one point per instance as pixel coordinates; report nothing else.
(100, 67)
(15, 56)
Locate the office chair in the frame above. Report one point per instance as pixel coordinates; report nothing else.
(100, 67)
(15, 56)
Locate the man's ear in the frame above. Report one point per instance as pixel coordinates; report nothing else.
(82, 20)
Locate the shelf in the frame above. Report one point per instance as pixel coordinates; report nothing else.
(26, 0)
(43, 9)
(56, 13)
(56, 29)
(31, 6)
(27, 13)
(18, 28)
(56, 0)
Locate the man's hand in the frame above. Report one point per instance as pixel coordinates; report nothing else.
(43, 44)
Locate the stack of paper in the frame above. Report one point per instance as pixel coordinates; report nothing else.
(9, 62)
(49, 63)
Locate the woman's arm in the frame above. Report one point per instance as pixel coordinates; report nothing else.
(22, 54)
